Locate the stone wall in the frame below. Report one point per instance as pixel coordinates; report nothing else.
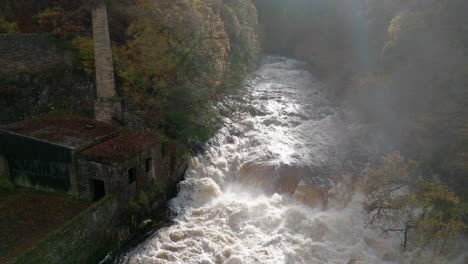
(87, 238)
(37, 77)
(31, 53)
(172, 166)
(115, 176)
(60, 91)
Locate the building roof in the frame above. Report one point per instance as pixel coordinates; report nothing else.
(121, 148)
(66, 131)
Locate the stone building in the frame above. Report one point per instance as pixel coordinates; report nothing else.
(83, 157)
(41, 153)
(123, 164)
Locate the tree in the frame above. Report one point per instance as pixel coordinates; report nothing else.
(179, 59)
(420, 213)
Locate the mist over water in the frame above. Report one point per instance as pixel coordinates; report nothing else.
(266, 190)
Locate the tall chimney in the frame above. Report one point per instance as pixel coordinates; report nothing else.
(106, 106)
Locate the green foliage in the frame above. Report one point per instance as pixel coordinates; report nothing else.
(394, 174)
(142, 206)
(398, 200)
(85, 49)
(441, 217)
(7, 27)
(6, 185)
(240, 21)
(183, 56)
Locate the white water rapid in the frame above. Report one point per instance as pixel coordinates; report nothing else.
(268, 192)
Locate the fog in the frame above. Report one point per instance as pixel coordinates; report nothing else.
(401, 65)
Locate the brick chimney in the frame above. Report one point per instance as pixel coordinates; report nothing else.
(107, 106)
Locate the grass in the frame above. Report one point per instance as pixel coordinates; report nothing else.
(27, 216)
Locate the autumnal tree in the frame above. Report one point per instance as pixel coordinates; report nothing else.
(84, 46)
(421, 213)
(178, 59)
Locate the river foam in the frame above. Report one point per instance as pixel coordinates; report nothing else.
(257, 195)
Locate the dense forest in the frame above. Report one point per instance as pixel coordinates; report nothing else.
(403, 67)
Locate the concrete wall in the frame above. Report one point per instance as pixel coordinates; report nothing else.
(31, 53)
(87, 238)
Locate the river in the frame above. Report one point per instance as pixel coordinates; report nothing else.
(275, 185)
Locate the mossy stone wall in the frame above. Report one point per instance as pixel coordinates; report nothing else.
(31, 53)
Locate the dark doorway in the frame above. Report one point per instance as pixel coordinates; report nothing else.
(131, 175)
(148, 165)
(99, 189)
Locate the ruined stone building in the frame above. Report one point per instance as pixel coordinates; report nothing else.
(124, 164)
(83, 157)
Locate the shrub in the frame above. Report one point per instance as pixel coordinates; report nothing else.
(6, 185)
(85, 50)
(7, 27)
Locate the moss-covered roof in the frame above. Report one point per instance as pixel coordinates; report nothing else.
(121, 148)
(68, 131)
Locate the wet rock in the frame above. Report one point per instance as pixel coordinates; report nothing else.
(310, 195)
(288, 178)
(257, 175)
(274, 178)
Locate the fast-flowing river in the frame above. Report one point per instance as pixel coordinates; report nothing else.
(275, 187)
